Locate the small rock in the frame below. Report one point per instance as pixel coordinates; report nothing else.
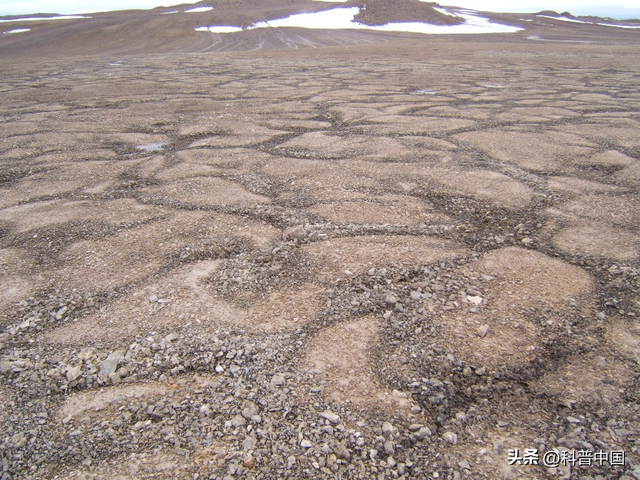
(391, 299)
(6, 366)
(389, 447)
(387, 428)
(306, 443)
(73, 373)
(329, 415)
(423, 433)
(86, 353)
(249, 461)
(342, 452)
(249, 443)
(450, 437)
(294, 233)
(277, 380)
(483, 330)
(109, 365)
(463, 464)
(60, 313)
(153, 298)
(237, 421)
(171, 337)
(474, 299)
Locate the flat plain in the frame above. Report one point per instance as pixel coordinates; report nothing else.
(398, 258)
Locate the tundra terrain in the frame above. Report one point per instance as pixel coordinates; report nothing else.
(297, 253)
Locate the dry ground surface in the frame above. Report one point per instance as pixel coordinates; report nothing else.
(388, 261)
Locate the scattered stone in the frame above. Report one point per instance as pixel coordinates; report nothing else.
(388, 428)
(389, 447)
(296, 232)
(423, 433)
(249, 461)
(73, 373)
(329, 415)
(474, 299)
(450, 437)
(483, 330)
(277, 380)
(109, 365)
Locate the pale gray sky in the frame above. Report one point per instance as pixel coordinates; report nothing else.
(612, 8)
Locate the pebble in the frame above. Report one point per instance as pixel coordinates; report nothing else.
(450, 437)
(296, 232)
(277, 380)
(329, 415)
(73, 373)
(423, 433)
(109, 365)
(388, 428)
(483, 330)
(263, 416)
(475, 300)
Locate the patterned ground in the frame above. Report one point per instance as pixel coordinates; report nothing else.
(326, 265)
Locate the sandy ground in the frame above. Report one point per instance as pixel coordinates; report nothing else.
(388, 260)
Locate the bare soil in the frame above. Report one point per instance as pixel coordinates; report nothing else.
(297, 262)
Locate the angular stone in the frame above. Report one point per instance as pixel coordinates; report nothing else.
(450, 437)
(474, 299)
(329, 415)
(73, 373)
(109, 365)
(294, 233)
(423, 433)
(483, 330)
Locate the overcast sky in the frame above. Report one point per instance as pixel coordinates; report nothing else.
(614, 8)
(611, 8)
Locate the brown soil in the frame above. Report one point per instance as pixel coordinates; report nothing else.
(401, 229)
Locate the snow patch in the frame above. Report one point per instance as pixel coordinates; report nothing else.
(564, 19)
(206, 8)
(619, 26)
(342, 18)
(444, 11)
(152, 147)
(17, 30)
(219, 29)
